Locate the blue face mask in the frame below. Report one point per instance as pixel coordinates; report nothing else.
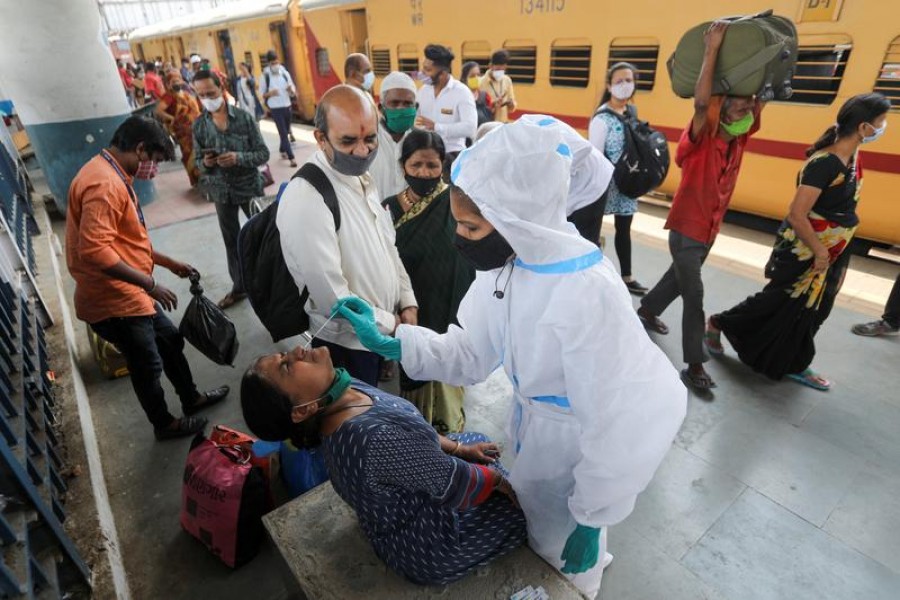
(877, 132)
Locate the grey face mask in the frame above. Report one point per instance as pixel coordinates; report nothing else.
(350, 164)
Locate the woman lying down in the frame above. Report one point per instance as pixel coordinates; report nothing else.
(434, 508)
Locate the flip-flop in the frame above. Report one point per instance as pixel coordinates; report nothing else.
(654, 324)
(810, 378)
(696, 382)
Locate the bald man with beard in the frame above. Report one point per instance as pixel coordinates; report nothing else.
(359, 258)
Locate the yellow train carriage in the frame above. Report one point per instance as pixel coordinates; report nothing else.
(312, 38)
(561, 49)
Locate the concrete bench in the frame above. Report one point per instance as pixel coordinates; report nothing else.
(327, 557)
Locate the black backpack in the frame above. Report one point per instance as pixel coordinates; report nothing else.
(645, 157)
(269, 285)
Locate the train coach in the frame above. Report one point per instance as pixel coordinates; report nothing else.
(560, 51)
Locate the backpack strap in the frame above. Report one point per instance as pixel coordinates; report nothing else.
(316, 177)
(608, 111)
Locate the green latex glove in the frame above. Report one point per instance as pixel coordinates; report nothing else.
(362, 318)
(582, 550)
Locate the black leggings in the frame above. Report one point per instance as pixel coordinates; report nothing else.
(623, 243)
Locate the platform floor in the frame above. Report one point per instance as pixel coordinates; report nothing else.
(771, 491)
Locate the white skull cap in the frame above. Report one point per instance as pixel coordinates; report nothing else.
(397, 80)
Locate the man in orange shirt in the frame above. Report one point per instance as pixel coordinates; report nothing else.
(153, 85)
(110, 256)
(709, 153)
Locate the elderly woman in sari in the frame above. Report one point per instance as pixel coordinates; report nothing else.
(178, 109)
(434, 508)
(773, 331)
(440, 275)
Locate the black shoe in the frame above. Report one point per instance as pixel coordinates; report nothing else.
(206, 400)
(636, 288)
(186, 426)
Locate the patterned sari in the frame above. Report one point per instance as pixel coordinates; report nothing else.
(185, 109)
(440, 278)
(773, 331)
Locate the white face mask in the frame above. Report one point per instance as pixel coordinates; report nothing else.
(368, 80)
(498, 75)
(877, 132)
(622, 90)
(212, 104)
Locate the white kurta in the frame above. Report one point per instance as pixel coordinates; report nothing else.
(386, 170)
(360, 260)
(597, 404)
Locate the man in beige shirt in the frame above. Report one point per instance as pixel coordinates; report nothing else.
(500, 87)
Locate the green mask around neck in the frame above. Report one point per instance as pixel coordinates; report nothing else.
(739, 127)
(399, 120)
(342, 381)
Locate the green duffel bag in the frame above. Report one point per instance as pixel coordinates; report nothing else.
(757, 57)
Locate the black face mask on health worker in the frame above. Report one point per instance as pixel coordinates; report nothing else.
(489, 253)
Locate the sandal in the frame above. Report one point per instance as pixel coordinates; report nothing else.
(231, 299)
(712, 339)
(183, 427)
(206, 400)
(699, 382)
(636, 287)
(811, 379)
(653, 323)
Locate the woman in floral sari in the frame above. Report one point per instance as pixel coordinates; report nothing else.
(178, 109)
(439, 274)
(773, 330)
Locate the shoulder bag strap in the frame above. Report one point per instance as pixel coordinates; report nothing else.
(317, 178)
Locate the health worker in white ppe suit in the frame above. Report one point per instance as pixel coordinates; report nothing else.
(597, 404)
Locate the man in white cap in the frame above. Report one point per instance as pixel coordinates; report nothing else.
(398, 114)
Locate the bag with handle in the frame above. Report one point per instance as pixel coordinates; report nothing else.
(207, 327)
(275, 297)
(758, 57)
(111, 362)
(224, 497)
(644, 162)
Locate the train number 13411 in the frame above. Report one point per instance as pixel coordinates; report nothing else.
(530, 7)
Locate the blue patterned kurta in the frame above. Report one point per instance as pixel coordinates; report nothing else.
(414, 501)
(617, 203)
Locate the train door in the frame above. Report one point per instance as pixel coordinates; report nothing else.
(279, 37)
(355, 31)
(226, 54)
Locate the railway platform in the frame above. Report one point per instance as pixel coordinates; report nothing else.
(771, 490)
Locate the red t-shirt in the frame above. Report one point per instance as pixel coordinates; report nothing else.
(153, 85)
(709, 171)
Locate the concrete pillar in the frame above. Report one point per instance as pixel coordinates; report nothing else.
(56, 66)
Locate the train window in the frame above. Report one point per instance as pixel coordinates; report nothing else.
(821, 62)
(888, 82)
(479, 51)
(643, 53)
(570, 63)
(381, 61)
(408, 59)
(522, 66)
(263, 63)
(323, 63)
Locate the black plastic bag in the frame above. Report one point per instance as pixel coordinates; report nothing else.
(207, 327)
